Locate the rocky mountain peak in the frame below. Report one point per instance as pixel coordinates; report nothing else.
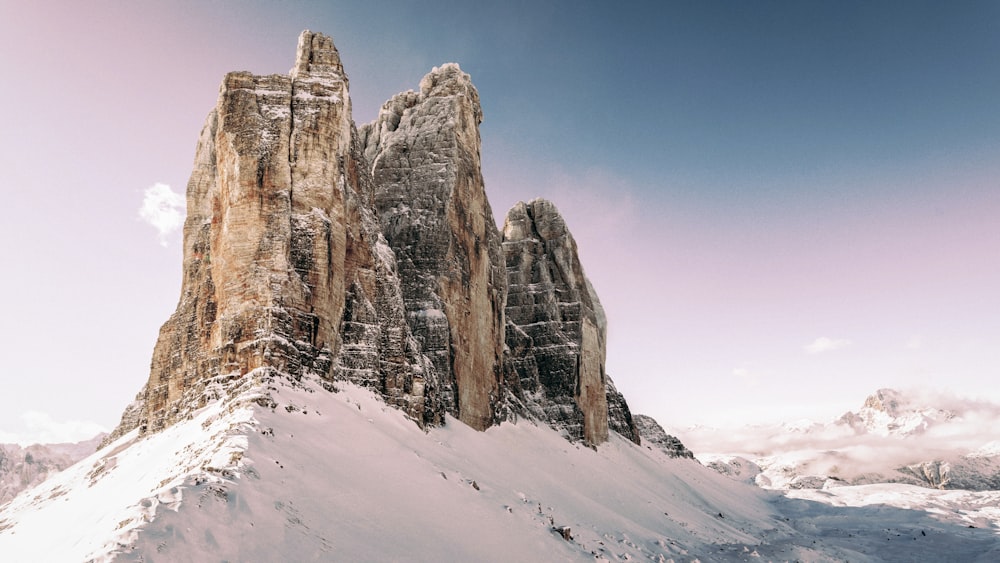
(654, 435)
(539, 214)
(888, 401)
(449, 80)
(316, 56)
(22, 467)
(316, 250)
(424, 155)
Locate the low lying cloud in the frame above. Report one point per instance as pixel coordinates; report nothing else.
(957, 426)
(745, 374)
(163, 209)
(41, 428)
(824, 344)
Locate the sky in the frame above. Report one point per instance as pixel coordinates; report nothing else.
(783, 206)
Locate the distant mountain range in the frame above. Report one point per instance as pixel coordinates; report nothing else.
(22, 467)
(895, 437)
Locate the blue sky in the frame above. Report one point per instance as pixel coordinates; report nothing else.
(783, 205)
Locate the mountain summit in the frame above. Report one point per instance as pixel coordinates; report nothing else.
(316, 249)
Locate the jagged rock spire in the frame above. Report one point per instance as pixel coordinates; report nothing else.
(557, 330)
(285, 271)
(316, 55)
(312, 249)
(424, 150)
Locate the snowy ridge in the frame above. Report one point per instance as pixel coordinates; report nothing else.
(317, 476)
(22, 467)
(103, 500)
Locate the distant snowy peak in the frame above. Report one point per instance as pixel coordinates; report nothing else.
(888, 401)
(889, 412)
(990, 449)
(932, 440)
(802, 426)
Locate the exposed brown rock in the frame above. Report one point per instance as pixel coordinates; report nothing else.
(285, 270)
(314, 249)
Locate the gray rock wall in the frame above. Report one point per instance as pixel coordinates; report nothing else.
(430, 199)
(24, 467)
(653, 435)
(556, 326)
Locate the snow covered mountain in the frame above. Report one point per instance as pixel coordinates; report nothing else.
(324, 476)
(888, 412)
(895, 437)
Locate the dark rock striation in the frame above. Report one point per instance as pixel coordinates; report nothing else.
(315, 249)
(556, 328)
(620, 418)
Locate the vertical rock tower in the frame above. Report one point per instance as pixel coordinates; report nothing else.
(285, 270)
(556, 330)
(313, 249)
(424, 152)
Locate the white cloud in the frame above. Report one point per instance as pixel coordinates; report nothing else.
(915, 343)
(41, 428)
(824, 344)
(164, 209)
(748, 376)
(818, 447)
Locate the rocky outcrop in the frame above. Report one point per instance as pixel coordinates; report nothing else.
(620, 417)
(314, 249)
(653, 435)
(556, 328)
(736, 468)
(424, 152)
(285, 270)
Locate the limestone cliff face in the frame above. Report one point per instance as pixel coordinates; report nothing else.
(556, 328)
(285, 270)
(424, 153)
(313, 249)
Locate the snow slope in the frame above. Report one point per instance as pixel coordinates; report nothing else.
(341, 476)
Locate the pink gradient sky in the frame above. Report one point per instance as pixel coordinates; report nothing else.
(741, 182)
